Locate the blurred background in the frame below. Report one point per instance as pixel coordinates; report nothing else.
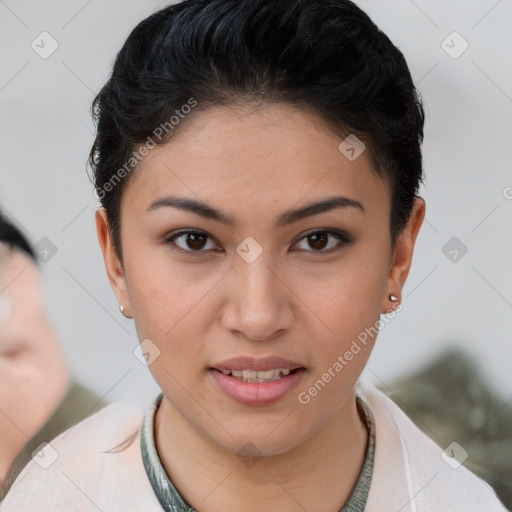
(457, 303)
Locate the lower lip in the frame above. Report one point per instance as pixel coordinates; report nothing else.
(257, 393)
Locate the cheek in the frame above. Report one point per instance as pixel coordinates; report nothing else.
(346, 303)
(346, 298)
(28, 385)
(165, 304)
(170, 308)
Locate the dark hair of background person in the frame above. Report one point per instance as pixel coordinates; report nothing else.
(325, 56)
(12, 236)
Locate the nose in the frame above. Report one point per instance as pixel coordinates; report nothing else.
(259, 305)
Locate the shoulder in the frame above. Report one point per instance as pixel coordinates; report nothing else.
(94, 464)
(98, 433)
(79, 403)
(430, 477)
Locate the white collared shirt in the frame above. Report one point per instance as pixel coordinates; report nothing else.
(97, 464)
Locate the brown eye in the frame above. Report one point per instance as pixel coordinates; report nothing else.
(319, 240)
(190, 241)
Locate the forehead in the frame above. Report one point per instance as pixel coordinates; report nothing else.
(19, 275)
(257, 158)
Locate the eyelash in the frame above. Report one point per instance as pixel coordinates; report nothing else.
(342, 237)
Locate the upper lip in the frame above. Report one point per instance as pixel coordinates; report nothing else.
(256, 364)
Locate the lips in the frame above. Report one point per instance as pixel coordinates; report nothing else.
(257, 381)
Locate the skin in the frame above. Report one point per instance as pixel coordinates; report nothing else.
(33, 369)
(293, 301)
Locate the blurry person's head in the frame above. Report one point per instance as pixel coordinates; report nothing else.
(33, 368)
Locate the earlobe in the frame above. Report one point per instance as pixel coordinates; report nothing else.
(113, 266)
(402, 255)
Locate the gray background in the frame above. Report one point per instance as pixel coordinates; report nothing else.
(46, 132)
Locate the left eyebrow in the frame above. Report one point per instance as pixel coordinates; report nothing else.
(286, 218)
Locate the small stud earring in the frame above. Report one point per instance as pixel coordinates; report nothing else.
(394, 300)
(121, 308)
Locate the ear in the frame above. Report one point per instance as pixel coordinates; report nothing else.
(113, 266)
(402, 255)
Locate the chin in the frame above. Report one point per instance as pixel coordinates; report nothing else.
(262, 443)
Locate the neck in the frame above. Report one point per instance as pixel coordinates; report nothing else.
(317, 475)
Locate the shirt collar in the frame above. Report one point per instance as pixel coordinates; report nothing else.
(172, 501)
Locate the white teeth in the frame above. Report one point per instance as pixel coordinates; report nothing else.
(250, 374)
(268, 374)
(258, 376)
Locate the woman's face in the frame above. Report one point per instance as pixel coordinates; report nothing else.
(266, 284)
